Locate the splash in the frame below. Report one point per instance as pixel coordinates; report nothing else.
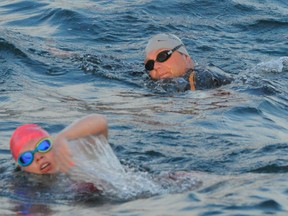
(96, 163)
(279, 65)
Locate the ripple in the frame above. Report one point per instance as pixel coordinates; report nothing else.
(5, 46)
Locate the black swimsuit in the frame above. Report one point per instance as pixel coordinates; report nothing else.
(210, 77)
(198, 79)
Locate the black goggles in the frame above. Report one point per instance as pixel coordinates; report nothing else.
(161, 57)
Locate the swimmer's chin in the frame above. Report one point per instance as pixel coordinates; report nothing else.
(165, 76)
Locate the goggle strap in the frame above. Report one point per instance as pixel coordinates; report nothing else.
(177, 47)
(169, 52)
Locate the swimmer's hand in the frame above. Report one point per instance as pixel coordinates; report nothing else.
(63, 154)
(60, 53)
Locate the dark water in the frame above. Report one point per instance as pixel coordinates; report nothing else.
(233, 138)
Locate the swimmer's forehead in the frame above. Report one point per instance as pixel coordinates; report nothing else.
(164, 41)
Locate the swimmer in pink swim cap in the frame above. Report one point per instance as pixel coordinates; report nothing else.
(35, 151)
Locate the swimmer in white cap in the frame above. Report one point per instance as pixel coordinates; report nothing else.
(167, 57)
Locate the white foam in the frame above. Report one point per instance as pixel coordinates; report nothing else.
(96, 163)
(279, 65)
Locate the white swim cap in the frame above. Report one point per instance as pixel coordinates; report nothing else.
(162, 41)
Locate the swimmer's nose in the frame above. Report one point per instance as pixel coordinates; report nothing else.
(157, 65)
(155, 72)
(38, 156)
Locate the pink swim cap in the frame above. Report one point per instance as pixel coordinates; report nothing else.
(24, 134)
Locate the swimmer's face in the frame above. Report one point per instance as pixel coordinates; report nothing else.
(43, 163)
(174, 66)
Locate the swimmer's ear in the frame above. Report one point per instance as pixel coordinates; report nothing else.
(18, 168)
(189, 60)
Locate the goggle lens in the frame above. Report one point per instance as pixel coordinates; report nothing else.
(44, 146)
(163, 56)
(149, 65)
(26, 158)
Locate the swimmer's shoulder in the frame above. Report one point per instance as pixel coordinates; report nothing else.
(211, 76)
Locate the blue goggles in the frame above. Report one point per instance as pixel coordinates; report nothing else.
(27, 157)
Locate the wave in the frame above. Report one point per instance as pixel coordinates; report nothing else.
(9, 48)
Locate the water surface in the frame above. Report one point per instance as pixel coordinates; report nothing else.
(234, 138)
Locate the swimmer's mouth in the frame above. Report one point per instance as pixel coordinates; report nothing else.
(165, 75)
(44, 168)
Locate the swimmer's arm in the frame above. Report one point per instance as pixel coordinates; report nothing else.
(94, 124)
(60, 53)
(89, 125)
